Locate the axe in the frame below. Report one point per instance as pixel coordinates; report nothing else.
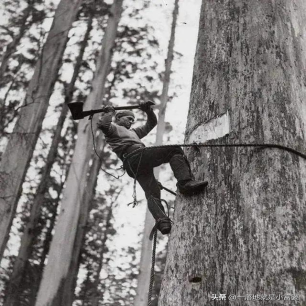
(76, 109)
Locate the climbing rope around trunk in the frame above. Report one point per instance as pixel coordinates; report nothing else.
(196, 145)
(249, 145)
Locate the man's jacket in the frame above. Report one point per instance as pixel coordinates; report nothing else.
(119, 137)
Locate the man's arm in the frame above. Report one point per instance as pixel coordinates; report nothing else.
(105, 120)
(144, 130)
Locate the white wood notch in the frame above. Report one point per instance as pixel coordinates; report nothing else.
(213, 129)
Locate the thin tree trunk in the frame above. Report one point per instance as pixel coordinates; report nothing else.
(22, 141)
(166, 81)
(98, 295)
(51, 289)
(245, 236)
(46, 246)
(29, 232)
(12, 46)
(143, 280)
(71, 279)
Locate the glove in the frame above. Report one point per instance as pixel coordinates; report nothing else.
(108, 109)
(105, 118)
(146, 106)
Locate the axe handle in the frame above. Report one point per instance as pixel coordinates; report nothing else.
(76, 109)
(101, 110)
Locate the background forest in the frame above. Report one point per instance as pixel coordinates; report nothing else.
(97, 52)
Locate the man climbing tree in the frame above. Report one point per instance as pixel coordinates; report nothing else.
(140, 164)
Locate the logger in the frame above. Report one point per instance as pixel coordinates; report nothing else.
(116, 123)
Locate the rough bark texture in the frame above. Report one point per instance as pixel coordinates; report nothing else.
(22, 141)
(51, 289)
(246, 234)
(143, 280)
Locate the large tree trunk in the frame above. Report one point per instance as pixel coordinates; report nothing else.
(22, 141)
(29, 232)
(143, 280)
(246, 234)
(51, 289)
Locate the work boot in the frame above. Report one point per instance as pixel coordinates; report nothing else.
(163, 222)
(191, 187)
(164, 225)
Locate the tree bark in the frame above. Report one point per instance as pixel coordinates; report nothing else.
(143, 280)
(51, 289)
(22, 141)
(246, 234)
(28, 235)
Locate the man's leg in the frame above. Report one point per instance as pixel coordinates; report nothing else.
(181, 170)
(179, 164)
(151, 188)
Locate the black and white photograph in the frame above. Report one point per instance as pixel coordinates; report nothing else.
(152, 153)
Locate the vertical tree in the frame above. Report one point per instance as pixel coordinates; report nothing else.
(29, 231)
(246, 234)
(22, 141)
(51, 289)
(97, 295)
(22, 22)
(21, 33)
(145, 260)
(71, 279)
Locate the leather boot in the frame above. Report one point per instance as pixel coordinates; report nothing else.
(181, 170)
(163, 222)
(191, 187)
(164, 225)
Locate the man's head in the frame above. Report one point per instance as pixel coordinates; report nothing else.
(125, 118)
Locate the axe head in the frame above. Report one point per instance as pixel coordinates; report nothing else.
(76, 109)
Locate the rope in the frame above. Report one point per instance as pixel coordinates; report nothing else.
(152, 269)
(262, 145)
(197, 145)
(135, 176)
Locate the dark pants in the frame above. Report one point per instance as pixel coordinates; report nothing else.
(141, 165)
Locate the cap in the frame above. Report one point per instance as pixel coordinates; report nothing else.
(123, 113)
